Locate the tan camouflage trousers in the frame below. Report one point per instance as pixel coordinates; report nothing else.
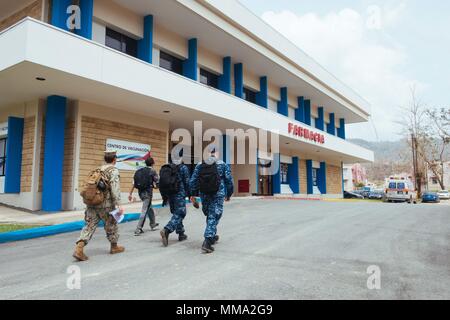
(92, 217)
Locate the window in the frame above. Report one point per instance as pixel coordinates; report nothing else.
(249, 95)
(2, 156)
(315, 174)
(171, 63)
(284, 173)
(209, 78)
(121, 42)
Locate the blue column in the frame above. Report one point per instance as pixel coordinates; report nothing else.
(145, 45)
(226, 149)
(322, 183)
(59, 13)
(190, 64)
(55, 121)
(87, 13)
(262, 96)
(276, 178)
(341, 131)
(309, 177)
(320, 121)
(300, 111)
(331, 127)
(225, 78)
(283, 103)
(239, 80)
(293, 176)
(307, 116)
(13, 165)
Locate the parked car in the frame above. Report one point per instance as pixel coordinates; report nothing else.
(400, 190)
(444, 195)
(376, 195)
(430, 197)
(352, 195)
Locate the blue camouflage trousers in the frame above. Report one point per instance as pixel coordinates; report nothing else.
(212, 207)
(177, 205)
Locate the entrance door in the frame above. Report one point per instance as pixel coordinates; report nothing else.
(264, 179)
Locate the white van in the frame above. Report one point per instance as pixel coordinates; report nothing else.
(400, 190)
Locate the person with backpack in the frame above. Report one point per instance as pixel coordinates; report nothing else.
(101, 194)
(213, 181)
(174, 187)
(145, 179)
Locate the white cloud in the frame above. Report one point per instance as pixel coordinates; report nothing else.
(359, 52)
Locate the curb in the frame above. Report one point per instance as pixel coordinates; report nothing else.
(46, 231)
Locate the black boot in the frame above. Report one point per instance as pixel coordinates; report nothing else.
(207, 247)
(215, 239)
(182, 237)
(165, 237)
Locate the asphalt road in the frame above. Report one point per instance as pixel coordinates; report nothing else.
(269, 249)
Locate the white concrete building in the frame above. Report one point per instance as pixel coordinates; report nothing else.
(136, 70)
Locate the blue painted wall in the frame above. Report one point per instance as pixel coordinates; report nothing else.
(331, 127)
(262, 96)
(55, 123)
(59, 13)
(225, 78)
(239, 80)
(293, 176)
(300, 111)
(320, 121)
(341, 131)
(309, 177)
(283, 103)
(322, 183)
(190, 64)
(87, 13)
(276, 178)
(145, 45)
(307, 116)
(13, 165)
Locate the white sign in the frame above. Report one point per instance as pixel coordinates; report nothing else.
(130, 155)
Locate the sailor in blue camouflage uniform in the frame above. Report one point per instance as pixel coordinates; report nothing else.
(177, 203)
(212, 205)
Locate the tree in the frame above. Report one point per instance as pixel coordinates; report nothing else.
(436, 142)
(414, 128)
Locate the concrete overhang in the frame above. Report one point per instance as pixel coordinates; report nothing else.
(84, 70)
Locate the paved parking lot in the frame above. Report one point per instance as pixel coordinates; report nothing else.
(269, 249)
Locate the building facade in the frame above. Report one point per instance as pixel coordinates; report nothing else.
(80, 76)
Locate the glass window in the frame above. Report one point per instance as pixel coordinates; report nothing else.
(209, 78)
(392, 185)
(171, 63)
(249, 95)
(121, 42)
(401, 186)
(2, 156)
(284, 173)
(315, 174)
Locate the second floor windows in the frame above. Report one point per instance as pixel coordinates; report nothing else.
(209, 78)
(170, 62)
(121, 42)
(249, 95)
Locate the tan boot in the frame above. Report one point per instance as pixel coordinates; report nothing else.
(79, 254)
(116, 249)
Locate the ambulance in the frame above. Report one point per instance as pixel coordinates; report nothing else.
(400, 189)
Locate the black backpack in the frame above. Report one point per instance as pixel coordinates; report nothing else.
(209, 179)
(143, 179)
(168, 179)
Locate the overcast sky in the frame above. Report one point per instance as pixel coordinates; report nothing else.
(379, 48)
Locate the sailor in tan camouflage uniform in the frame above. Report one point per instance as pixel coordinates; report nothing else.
(94, 214)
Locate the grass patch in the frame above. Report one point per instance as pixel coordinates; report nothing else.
(14, 227)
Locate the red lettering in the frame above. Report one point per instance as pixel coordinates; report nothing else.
(290, 127)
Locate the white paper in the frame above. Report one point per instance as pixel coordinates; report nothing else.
(117, 216)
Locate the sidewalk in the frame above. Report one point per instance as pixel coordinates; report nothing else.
(14, 216)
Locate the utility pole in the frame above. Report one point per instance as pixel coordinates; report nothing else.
(417, 175)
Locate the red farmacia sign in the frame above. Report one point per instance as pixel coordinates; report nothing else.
(307, 134)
